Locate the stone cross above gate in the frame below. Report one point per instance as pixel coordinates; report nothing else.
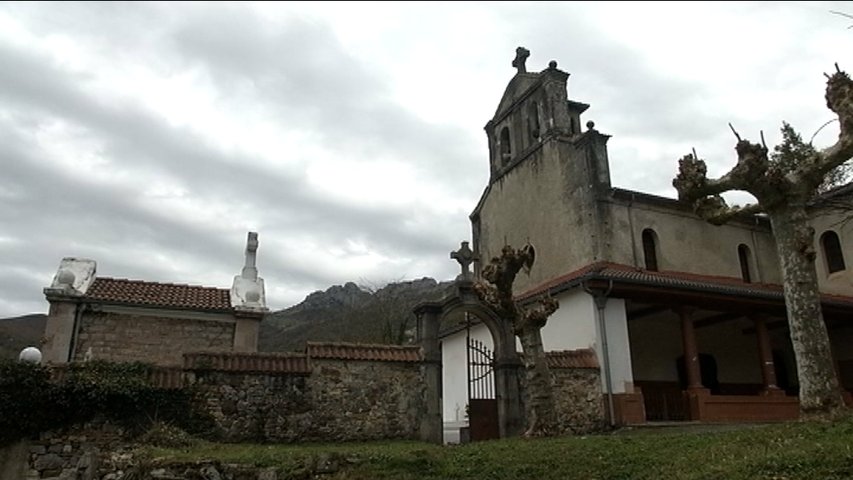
(465, 257)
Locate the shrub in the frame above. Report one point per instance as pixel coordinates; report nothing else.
(30, 402)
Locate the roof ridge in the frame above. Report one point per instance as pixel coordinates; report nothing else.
(150, 282)
(359, 345)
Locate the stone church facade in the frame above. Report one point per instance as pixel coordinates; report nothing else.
(640, 279)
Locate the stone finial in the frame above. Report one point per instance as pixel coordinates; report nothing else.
(250, 271)
(73, 277)
(521, 55)
(465, 257)
(247, 291)
(552, 65)
(591, 126)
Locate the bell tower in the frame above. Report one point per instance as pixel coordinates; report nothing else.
(546, 174)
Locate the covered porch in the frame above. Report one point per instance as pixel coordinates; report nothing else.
(698, 364)
(714, 349)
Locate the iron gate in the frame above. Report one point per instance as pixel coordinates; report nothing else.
(482, 405)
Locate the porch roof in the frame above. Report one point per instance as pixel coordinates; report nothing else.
(679, 287)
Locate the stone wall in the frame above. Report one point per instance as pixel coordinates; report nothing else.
(578, 396)
(151, 339)
(82, 452)
(333, 400)
(580, 405)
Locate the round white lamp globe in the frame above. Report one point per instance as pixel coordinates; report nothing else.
(30, 355)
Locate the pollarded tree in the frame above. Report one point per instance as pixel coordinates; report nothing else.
(783, 189)
(527, 324)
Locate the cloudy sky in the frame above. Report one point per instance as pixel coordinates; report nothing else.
(152, 137)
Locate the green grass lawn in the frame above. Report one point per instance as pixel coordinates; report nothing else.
(813, 450)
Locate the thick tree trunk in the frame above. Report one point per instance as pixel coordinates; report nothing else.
(541, 413)
(819, 390)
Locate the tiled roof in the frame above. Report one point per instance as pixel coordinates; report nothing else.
(676, 280)
(248, 362)
(580, 358)
(359, 351)
(139, 293)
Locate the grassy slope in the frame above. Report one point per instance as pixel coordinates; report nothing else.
(784, 451)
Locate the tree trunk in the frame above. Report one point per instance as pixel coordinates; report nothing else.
(541, 414)
(819, 390)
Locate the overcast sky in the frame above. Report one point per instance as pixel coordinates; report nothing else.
(152, 137)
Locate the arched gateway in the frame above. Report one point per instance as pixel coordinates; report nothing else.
(459, 300)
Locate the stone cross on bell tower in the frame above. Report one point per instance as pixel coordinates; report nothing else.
(465, 257)
(521, 55)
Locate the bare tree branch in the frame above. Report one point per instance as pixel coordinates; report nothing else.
(735, 132)
(715, 211)
(839, 99)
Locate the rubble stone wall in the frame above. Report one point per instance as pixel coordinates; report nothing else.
(340, 400)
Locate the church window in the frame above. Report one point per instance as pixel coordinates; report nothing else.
(506, 147)
(743, 256)
(573, 126)
(533, 122)
(650, 249)
(832, 251)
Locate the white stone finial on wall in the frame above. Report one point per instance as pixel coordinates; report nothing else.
(250, 271)
(247, 291)
(73, 277)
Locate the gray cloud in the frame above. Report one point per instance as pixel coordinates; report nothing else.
(295, 74)
(71, 215)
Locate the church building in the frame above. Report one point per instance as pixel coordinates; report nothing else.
(641, 280)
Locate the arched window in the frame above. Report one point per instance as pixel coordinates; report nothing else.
(533, 122)
(506, 147)
(832, 251)
(573, 126)
(743, 256)
(650, 249)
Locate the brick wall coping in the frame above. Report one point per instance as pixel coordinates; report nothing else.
(364, 351)
(248, 362)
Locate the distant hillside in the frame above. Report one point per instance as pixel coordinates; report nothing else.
(16, 333)
(349, 313)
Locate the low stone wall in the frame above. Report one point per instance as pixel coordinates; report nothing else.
(348, 393)
(81, 452)
(577, 391)
(578, 395)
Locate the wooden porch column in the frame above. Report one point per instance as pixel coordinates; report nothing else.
(691, 352)
(696, 393)
(765, 354)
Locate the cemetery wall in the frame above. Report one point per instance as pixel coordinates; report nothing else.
(333, 393)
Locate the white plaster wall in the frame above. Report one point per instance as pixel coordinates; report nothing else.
(455, 373)
(572, 326)
(618, 347)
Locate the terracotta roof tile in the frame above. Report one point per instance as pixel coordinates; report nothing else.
(360, 351)
(136, 292)
(248, 362)
(672, 279)
(580, 358)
